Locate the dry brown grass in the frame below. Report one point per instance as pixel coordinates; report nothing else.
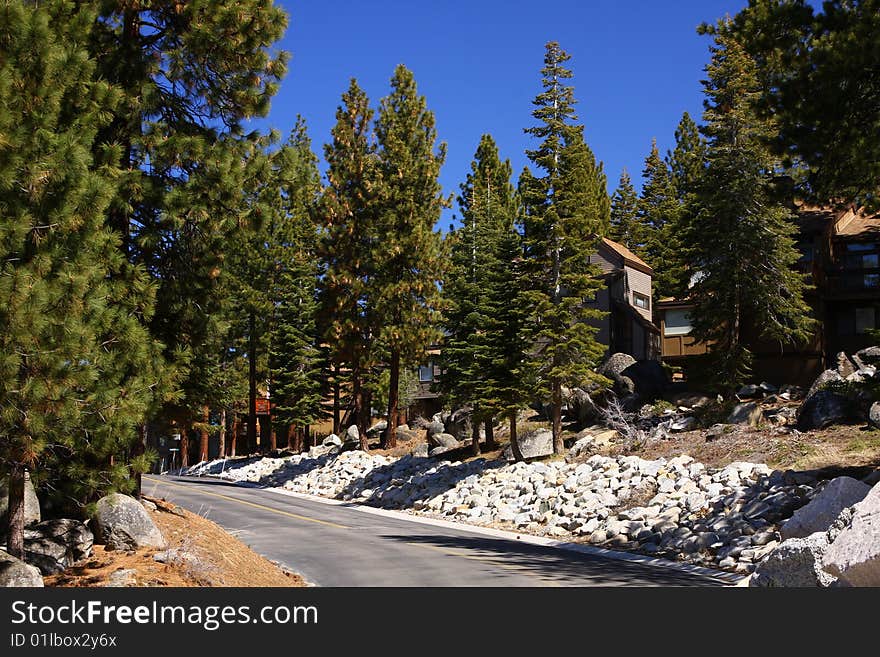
(216, 558)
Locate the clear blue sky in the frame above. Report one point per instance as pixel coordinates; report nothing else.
(637, 66)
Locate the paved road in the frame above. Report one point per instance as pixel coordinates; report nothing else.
(338, 545)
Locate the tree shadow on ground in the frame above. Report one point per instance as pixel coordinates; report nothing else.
(413, 477)
(554, 567)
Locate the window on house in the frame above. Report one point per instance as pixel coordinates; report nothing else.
(641, 301)
(855, 247)
(426, 373)
(677, 322)
(871, 280)
(865, 319)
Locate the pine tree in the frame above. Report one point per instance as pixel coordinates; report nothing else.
(349, 250)
(76, 372)
(191, 73)
(295, 358)
(687, 161)
(410, 261)
(741, 241)
(558, 240)
(483, 347)
(658, 225)
(624, 213)
(807, 61)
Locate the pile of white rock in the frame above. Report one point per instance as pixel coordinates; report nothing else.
(676, 508)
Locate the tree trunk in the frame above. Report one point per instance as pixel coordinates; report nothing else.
(252, 384)
(273, 437)
(184, 442)
(15, 513)
(204, 438)
(556, 411)
(291, 437)
(393, 399)
(336, 419)
(233, 439)
(490, 435)
(221, 438)
(475, 436)
(514, 439)
(140, 448)
(307, 435)
(363, 422)
(260, 443)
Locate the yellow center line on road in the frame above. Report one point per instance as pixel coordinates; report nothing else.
(256, 506)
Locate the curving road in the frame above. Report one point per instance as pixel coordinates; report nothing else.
(346, 545)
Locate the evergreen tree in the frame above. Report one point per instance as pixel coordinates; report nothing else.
(741, 240)
(807, 61)
(349, 250)
(658, 225)
(294, 358)
(410, 259)
(624, 213)
(558, 240)
(483, 350)
(191, 74)
(687, 160)
(76, 371)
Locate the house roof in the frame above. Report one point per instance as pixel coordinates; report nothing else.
(628, 256)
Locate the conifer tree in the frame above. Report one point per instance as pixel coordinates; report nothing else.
(410, 261)
(687, 160)
(624, 213)
(294, 356)
(76, 371)
(350, 239)
(191, 74)
(483, 347)
(741, 241)
(558, 240)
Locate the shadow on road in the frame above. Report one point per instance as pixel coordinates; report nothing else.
(555, 566)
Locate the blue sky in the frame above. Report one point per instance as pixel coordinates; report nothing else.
(637, 66)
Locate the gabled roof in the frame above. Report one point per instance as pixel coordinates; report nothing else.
(629, 258)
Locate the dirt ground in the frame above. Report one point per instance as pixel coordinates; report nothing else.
(214, 558)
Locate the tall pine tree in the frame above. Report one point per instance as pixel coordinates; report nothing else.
(76, 371)
(483, 346)
(350, 240)
(741, 241)
(624, 213)
(295, 360)
(558, 239)
(658, 225)
(410, 261)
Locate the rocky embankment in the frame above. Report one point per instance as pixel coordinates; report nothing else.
(727, 518)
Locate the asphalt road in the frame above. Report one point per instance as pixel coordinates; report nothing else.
(340, 545)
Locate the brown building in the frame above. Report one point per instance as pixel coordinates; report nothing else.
(626, 297)
(840, 251)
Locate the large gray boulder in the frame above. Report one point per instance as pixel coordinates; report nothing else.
(14, 572)
(820, 512)
(378, 428)
(795, 562)
(748, 413)
(54, 545)
(874, 415)
(533, 445)
(854, 556)
(823, 409)
(613, 369)
(823, 379)
(459, 423)
(121, 523)
(443, 440)
(332, 441)
(435, 427)
(31, 504)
